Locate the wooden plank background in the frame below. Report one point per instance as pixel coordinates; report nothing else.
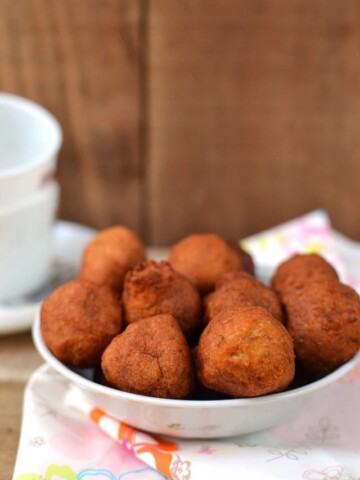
(82, 60)
(195, 115)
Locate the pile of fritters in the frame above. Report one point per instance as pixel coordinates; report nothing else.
(202, 318)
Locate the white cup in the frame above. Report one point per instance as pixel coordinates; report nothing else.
(25, 242)
(30, 139)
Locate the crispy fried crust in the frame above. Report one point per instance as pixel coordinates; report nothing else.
(153, 288)
(110, 254)
(79, 320)
(299, 270)
(245, 352)
(245, 257)
(238, 289)
(324, 321)
(151, 357)
(203, 258)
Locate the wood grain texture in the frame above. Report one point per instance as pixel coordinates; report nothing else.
(11, 397)
(254, 111)
(194, 115)
(18, 359)
(82, 60)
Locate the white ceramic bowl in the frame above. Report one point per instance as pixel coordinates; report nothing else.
(192, 418)
(25, 242)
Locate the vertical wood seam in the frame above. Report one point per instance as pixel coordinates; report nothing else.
(145, 228)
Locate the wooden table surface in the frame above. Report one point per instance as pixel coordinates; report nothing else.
(18, 359)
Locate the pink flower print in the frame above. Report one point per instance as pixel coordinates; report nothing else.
(206, 450)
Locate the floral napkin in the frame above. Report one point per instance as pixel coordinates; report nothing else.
(321, 443)
(311, 233)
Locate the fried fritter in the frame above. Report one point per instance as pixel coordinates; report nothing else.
(110, 254)
(203, 258)
(79, 320)
(245, 352)
(238, 289)
(245, 257)
(153, 288)
(151, 357)
(299, 270)
(323, 318)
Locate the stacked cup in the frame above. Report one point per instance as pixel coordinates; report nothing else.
(30, 139)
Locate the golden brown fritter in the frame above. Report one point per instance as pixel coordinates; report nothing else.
(245, 257)
(238, 289)
(203, 258)
(151, 357)
(299, 270)
(245, 352)
(110, 254)
(153, 288)
(79, 320)
(324, 321)
(233, 277)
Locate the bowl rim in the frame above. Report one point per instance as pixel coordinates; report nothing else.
(173, 403)
(36, 110)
